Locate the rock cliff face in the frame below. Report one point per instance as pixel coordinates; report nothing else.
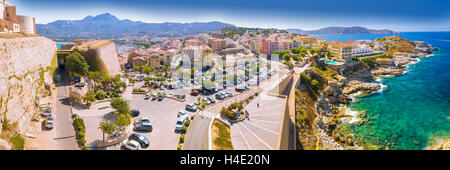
(26, 65)
(323, 124)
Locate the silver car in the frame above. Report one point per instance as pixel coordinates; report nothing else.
(46, 112)
(49, 123)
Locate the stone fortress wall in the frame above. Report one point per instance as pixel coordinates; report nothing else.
(25, 65)
(101, 55)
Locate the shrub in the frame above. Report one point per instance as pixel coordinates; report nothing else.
(224, 111)
(84, 147)
(100, 95)
(89, 97)
(139, 90)
(82, 137)
(187, 123)
(315, 85)
(231, 115)
(305, 79)
(184, 129)
(182, 139)
(17, 142)
(179, 147)
(114, 95)
(80, 124)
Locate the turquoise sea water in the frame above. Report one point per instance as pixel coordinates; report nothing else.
(414, 110)
(59, 44)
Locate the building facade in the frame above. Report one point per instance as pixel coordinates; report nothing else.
(340, 50)
(10, 22)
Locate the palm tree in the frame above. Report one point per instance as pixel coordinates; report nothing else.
(107, 127)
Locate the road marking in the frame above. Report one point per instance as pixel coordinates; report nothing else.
(207, 114)
(258, 137)
(63, 137)
(243, 136)
(267, 114)
(268, 130)
(267, 121)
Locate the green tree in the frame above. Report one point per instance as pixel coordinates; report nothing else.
(286, 57)
(147, 69)
(77, 64)
(96, 76)
(89, 97)
(107, 127)
(295, 57)
(315, 85)
(120, 105)
(123, 120)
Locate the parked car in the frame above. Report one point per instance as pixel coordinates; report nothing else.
(191, 107)
(143, 120)
(220, 96)
(46, 112)
(147, 96)
(80, 84)
(206, 101)
(143, 127)
(182, 113)
(143, 141)
(181, 96)
(134, 113)
(155, 96)
(160, 97)
(228, 94)
(131, 145)
(241, 88)
(194, 93)
(49, 123)
(161, 88)
(76, 79)
(211, 100)
(180, 122)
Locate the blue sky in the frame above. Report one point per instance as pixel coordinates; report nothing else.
(398, 15)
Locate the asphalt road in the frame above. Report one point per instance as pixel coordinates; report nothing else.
(65, 133)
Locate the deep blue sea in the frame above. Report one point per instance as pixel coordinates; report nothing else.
(414, 111)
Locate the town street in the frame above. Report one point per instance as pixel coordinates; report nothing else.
(65, 133)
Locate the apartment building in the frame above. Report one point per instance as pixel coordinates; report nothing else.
(340, 50)
(307, 40)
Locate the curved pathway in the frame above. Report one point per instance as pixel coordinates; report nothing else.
(261, 131)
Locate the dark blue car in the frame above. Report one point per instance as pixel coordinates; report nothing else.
(140, 139)
(134, 113)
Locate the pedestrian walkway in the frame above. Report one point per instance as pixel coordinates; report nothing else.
(206, 114)
(261, 130)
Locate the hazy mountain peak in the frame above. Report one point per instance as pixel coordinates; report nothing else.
(106, 17)
(342, 30)
(109, 25)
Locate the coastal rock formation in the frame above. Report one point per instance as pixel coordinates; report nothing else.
(333, 91)
(26, 68)
(387, 71)
(445, 145)
(355, 86)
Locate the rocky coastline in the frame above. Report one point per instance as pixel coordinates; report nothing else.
(331, 125)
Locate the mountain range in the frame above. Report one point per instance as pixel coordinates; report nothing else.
(107, 25)
(342, 30)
